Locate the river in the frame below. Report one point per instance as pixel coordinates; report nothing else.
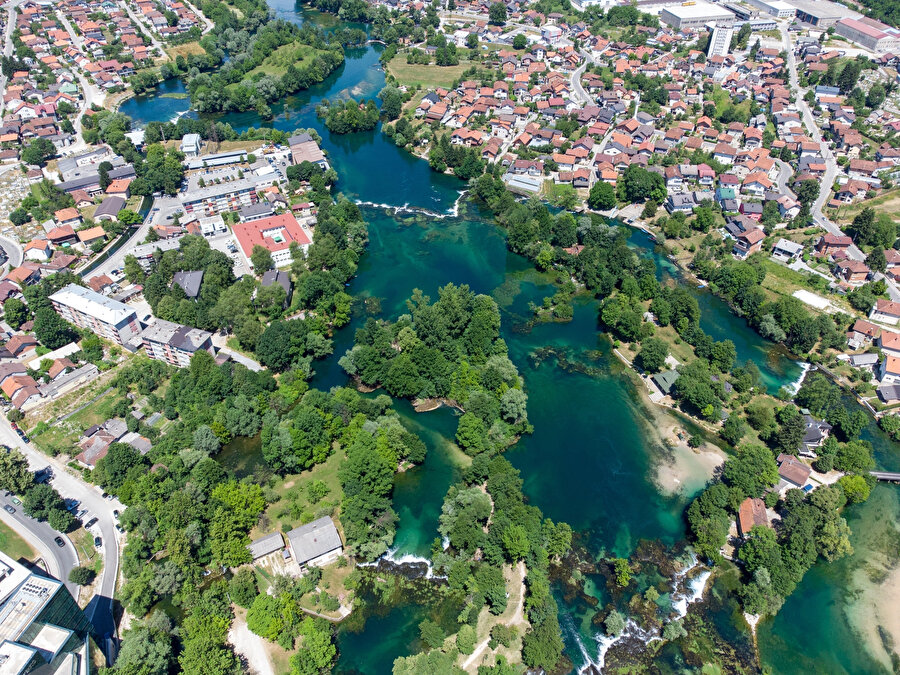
(599, 474)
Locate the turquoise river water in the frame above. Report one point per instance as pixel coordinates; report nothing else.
(599, 473)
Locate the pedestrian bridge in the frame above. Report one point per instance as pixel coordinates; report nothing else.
(886, 476)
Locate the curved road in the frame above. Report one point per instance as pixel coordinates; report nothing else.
(99, 611)
(58, 560)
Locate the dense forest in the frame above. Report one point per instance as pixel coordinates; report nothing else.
(348, 116)
(450, 349)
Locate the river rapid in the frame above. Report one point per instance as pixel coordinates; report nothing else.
(595, 453)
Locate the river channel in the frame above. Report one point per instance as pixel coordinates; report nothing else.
(592, 460)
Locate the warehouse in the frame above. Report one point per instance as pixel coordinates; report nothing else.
(695, 16)
(871, 34)
(819, 13)
(776, 8)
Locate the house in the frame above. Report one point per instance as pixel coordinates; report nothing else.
(680, 202)
(108, 210)
(852, 271)
(60, 236)
(92, 235)
(316, 543)
(283, 279)
(748, 242)
(38, 249)
(886, 311)
(665, 380)
(19, 344)
(265, 545)
(68, 216)
(752, 513)
(814, 436)
(119, 188)
(829, 244)
(786, 250)
(792, 471)
(191, 145)
(889, 342)
(861, 334)
(889, 371)
(189, 282)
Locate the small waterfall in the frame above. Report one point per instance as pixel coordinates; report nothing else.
(794, 387)
(407, 209)
(684, 594)
(410, 565)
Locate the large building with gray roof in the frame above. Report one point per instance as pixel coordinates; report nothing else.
(316, 543)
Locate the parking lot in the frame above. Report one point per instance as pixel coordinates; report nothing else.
(227, 243)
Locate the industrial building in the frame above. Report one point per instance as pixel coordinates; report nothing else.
(42, 629)
(819, 13)
(695, 16)
(103, 316)
(869, 33)
(777, 8)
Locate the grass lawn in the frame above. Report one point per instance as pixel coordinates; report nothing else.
(295, 508)
(61, 436)
(887, 203)
(185, 50)
(87, 554)
(278, 61)
(412, 74)
(13, 545)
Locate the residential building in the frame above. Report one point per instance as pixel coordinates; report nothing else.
(189, 282)
(748, 242)
(275, 233)
(42, 629)
(102, 316)
(220, 197)
(316, 543)
(265, 545)
(751, 513)
(787, 250)
(792, 471)
(886, 311)
(719, 38)
(175, 344)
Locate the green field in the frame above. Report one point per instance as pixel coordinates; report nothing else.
(13, 545)
(278, 61)
(412, 74)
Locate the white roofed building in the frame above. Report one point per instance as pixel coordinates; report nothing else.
(107, 318)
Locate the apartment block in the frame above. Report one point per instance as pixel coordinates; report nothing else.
(107, 318)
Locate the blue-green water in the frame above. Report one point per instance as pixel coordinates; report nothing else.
(591, 460)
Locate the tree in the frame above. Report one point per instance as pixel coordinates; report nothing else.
(472, 41)
(614, 623)
(431, 633)
(206, 440)
(807, 190)
(876, 260)
(470, 433)
(145, 651)
(15, 476)
(641, 185)
(497, 13)
(752, 470)
(623, 572)
(602, 196)
(243, 588)
(515, 541)
(520, 41)
(52, 330)
(855, 488)
(391, 103)
(261, 259)
(653, 354)
(15, 312)
(465, 639)
(38, 151)
(82, 576)
(734, 429)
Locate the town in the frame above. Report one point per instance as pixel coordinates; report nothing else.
(169, 286)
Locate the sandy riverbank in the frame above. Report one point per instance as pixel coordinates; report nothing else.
(683, 469)
(874, 613)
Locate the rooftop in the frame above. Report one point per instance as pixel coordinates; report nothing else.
(93, 304)
(314, 539)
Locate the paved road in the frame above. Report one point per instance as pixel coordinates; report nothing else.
(99, 611)
(90, 93)
(148, 30)
(58, 560)
(578, 91)
(162, 207)
(7, 40)
(784, 176)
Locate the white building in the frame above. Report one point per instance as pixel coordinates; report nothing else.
(695, 16)
(719, 39)
(191, 144)
(871, 34)
(105, 317)
(175, 344)
(777, 8)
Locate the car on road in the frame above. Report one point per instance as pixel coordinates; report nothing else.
(89, 524)
(9, 509)
(98, 542)
(43, 475)
(59, 541)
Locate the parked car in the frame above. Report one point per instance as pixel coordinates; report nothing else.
(59, 541)
(72, 504)
(25, 439)
(9, 509)
(115, 514)
(89, 524)
(98, 542)
(16, 500)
